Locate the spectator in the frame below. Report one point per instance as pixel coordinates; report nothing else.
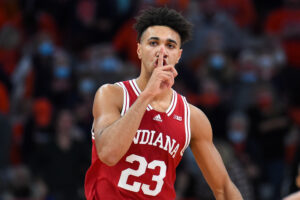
(283, 25)
(62, 91)
(247, 78)
(43, 66)
(54, 54)
(242, 11)
(19, 184)
(10, 35)
(210, 100)
(38, 129)
(269, 125)
(238, 132)
(210, 23)
(192, 185)
(124, 41)
(217, 64)
(56, 164)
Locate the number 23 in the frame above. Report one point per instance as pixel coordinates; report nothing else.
(135, 187)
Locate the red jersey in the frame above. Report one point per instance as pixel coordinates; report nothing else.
(148, 169)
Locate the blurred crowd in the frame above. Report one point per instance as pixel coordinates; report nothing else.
(242, 68)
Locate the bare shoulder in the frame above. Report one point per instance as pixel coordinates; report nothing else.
(109, 90)
(200, 125)
(108, 96)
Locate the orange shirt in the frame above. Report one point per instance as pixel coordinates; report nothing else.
(125, 41)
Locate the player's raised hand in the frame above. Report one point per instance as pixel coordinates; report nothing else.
(162, 77)
(160, 59)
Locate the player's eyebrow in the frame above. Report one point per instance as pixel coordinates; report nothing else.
(157, 38)
(153, 38)
(172, 41)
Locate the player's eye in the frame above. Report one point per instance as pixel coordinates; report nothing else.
(171, 46)
(153, 43)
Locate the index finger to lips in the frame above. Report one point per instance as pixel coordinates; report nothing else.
(161, 58)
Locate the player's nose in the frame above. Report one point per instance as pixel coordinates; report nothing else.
(162, 50)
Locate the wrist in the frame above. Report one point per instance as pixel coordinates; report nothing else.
(146, 96)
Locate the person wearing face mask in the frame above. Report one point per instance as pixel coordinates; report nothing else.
(269, 125)
(219, 65)
(62, 89)
(142, 126)
(42, 62)
(283, 26)
(237, 132)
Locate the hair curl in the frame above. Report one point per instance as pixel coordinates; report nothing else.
(163, 16)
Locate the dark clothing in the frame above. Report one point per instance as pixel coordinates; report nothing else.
(62, 170)
(268, 130)
(267, 133)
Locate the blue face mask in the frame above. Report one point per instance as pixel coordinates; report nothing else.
(249, 77)
(87, 86)
(62, 72)
(266, 62)
(217, 62)
(123, 6)
(109, 64)
(236, 136)
(46, 48)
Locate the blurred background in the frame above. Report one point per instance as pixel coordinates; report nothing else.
(242, 69)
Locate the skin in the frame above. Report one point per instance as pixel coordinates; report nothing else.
(159, 51)
(294, 196)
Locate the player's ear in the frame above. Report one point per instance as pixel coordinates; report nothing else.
(179, 55)
(139, 50)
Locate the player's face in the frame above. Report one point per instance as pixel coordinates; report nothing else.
(153, 40)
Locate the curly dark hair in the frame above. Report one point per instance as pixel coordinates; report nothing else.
(166, 17)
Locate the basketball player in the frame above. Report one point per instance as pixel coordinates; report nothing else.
(142, 126)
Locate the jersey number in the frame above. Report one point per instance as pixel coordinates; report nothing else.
(143, 165)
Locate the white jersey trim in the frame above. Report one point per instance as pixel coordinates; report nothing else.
(172, 105)
(125, 98)
(137, 91)
(186, 125)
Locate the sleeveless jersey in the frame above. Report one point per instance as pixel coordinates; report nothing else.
(148, 169)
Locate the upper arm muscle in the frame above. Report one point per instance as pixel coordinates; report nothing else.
(206, 155)
(107, 105)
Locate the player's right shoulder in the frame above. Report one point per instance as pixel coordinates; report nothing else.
(109, 94)
(110, 90)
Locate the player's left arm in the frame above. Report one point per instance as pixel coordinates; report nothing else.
(209, 159)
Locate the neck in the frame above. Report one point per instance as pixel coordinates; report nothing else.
(142, 82)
